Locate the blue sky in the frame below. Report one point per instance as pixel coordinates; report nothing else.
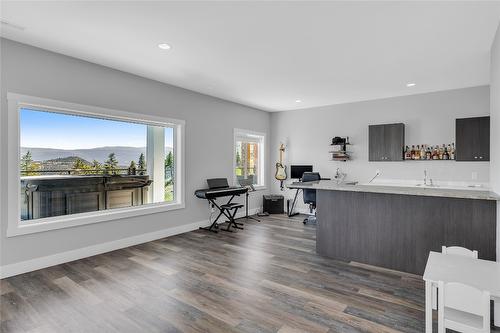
(52, 130)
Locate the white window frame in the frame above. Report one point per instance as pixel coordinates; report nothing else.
(242, 134)
(18, 101)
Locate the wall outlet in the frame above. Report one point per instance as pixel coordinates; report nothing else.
(474, 175)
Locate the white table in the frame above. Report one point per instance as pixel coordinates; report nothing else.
(482, 274)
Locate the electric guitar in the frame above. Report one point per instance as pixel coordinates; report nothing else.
(280, 168)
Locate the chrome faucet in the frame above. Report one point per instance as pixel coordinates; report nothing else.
(431, 183)
(339, 176)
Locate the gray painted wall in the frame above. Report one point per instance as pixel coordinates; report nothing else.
(209, 138)
(210, 122)
(495, 126)
(429, 119)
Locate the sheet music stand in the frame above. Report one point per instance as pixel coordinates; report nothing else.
(248, 183)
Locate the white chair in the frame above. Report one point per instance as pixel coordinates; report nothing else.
(459, 251)
(454, 250)
(463, 308)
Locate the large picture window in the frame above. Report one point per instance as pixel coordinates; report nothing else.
(249, 157)
(76, 164)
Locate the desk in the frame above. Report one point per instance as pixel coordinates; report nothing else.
(290, 212)
(298, 186)
(482, 274)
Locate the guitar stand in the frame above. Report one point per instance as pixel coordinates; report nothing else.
(225, 210)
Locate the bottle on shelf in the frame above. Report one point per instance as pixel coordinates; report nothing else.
(446, 155)
(428, 153)
(407, 153)
(435, 153)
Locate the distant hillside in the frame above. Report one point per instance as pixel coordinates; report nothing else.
(62, 163)
(123, 154)
(66, 160)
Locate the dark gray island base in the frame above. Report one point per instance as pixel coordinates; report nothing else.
(397, 231)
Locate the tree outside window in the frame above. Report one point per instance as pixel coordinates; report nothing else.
(248, 157)
(28, 166)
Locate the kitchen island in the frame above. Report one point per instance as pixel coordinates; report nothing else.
(395, 227)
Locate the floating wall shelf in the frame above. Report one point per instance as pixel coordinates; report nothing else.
(340, 154)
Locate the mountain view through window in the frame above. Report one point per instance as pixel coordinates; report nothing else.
(74, 164)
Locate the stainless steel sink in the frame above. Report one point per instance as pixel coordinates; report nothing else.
(430, 186)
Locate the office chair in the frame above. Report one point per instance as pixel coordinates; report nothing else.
(310, 194)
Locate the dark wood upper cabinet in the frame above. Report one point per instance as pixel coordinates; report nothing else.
(375, 142)
(484, 138)
(473, 139)
(386, 142)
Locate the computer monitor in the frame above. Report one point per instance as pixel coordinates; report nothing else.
(296, 171)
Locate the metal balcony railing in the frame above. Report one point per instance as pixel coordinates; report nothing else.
(80, 172)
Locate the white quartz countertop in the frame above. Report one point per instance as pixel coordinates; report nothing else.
(331, 185)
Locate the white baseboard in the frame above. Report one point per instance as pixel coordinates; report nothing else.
(63, 257)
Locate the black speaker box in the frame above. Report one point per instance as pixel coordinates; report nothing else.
(273, 204)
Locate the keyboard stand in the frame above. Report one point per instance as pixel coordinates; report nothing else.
(225, 210)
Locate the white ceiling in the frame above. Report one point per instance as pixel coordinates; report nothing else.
(269, 54)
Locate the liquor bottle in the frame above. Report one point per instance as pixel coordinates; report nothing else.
(446, 155)
(412, 153)
(452, 153)
(428, 154)
(417, 152)
(441, 152)
(407, 153)
(435, 153)
(422, 152)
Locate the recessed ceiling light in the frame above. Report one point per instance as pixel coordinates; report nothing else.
(164, 46)
(298, 101)
(411, 84)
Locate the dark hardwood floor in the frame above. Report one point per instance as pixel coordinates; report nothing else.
(266, 278)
